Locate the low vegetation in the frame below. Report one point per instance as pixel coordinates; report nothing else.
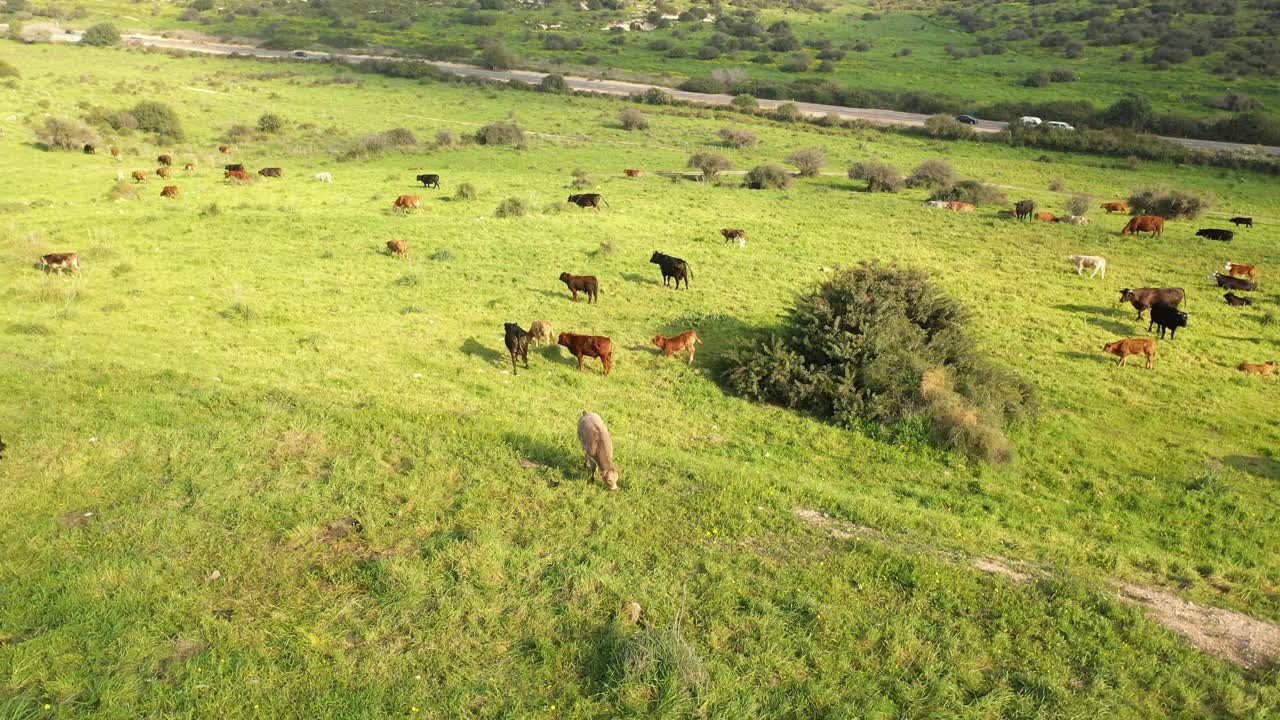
(501, 133)
(1169, 203)
(63, 134)
(880, 176)
(769, 176)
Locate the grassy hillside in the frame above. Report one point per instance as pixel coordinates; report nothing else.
(1183, 56)
(235, 372)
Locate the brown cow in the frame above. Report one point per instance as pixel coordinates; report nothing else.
(1238, 270)
(274, 172)
(686, 340)
(115, 152)
(1133, 346)
(60, 262)
(1006, 214)
(225, 149)
(540, 331)
(139, 175)
(1046, 217)
(398, 247)
(1264, 369)
(582, 283)
(407, 203)
(1115, 207)
(629, 172)
(1153, 224)
(734, 234)
(165, 160)
(1144, 298)
(162, 171)
(189, 167)
(961, 206)
(241, 175)
(581, 346)
(169, 191)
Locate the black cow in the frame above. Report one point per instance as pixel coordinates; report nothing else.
(1235, 300)
(431, 181)
(234, 167)
(591, 200)
(517, 344)
(1216, 234)
(274, 172)
(1168, 318)
(1233, 283)
(1024, 209)
(90, 150)
(1238, 221)
(672, 267)
(165, 160)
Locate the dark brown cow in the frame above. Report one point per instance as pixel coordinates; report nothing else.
(407, 203)
(115, 152)
(240, 175)
(1153, 224)
(1143, 298)
(225, 149)
(584, 284)
(584, 346)
(585, 200)
(163, 171)
(274, 172)
(630, 172)
(1115, 207)
(165, 160)
(90, 150)
(169, 191)
(139, 175)
(234, 166)
(398, 247)
(734, 234)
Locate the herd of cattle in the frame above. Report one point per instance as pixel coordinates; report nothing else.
(597, 446)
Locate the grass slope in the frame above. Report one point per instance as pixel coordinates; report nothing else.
(219, 386)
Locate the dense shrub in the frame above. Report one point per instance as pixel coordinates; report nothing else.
(655, 96)
(497, 56)
(934, 173)
(466, 192)
(807, 161)
(7, 69)
(799, 62)
(1079, 204)
(879, 344)
(880, 176)
(745, 102)
(1062, 75)
(158, 118)
(512, 207)
(553, 83)
(1233, 101)
(63, 134)
(1057, 184)
(445, 138)
(946, 126)
(500, 133)
(633, 119)
(377, 143)
(1169, 203)
(972, 191)
(101, 35)
(769, 176)
(1038, 79)
(738, 137)
(710, 164)
(270, 123)
(787, 112)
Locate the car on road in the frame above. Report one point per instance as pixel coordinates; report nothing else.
(1030, 120)
(299, 53)
(1058, 125)
(967, 119)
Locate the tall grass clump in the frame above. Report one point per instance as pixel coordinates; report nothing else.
(445, 138)
(7, 70)
(1169, 203)
(807, 161)
(664, 660)
(880, 176)
(972, 191)
(738, 137)
(381, 142)
(501, 133)
(466, 192)
(880, 344)
(633, 119)
(512, 207)
(934, 173)
(1079, 204)
(769, 176)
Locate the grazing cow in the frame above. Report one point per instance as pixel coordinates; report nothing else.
(2, 449)
(585, 346)
(940, 204)
(399, 248)
(324, 177)
(1235, 300)
(585, 200)
(541, 331)
(169, 191)
(1113, 207)
(237, 167)
(1074, 220)
(1006, 214)
(1046, 217)
(1143, 298)
(139, 175)
(90, 150)
(115, 152)
(189, 167)
(686, 340)
(517, 344)
(1133, 346)
(1167, 317)
(431, 181)
(1264, 369)
(1238, 221)
(165, 160)
(1215, 234)
(225, 149)
(1233, 283)
(598, 447)
(274, 172)
(1153, 224)
(162, 171)
(241, 175)
(630, 172)
(961, 206)
(407, 203)
(672, 267)
(1023, 209)
(1239, 270)
(584, 284)
(732, 234)
(60, 262)
(1097, 263)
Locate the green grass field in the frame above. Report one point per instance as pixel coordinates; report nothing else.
(235, 371)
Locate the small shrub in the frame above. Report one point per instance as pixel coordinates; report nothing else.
(466, 192)
(972, 191)
(582, 179)
(500, 133)
(880, 176)
(270, 123)
(238, 311)
(63, 134)
(442, 255)
(1062, 75)
(934, 173)
(7, 70)
(633, 119)
(445, 138)
(412, 310)
(1037, 79)
(738, 137)
(808, 161)
(1079, 204)
(512, 207)
(101, 35)
(745, 102)
(497, 56)
(1132, 162)
(122, 190)
(799, 62)
(237, 133)
(1169, 203)
(661, 658)
(409, 280)
(1057, 184)
(788, 112)
(606, 249)
(553, 83)
(656, 96)
(709, 163)
(211, 210)
(769, 176)
(946, 126)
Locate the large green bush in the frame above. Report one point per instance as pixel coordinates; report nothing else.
(769, 176)
(101, 35)
(880, 176)
(158, 118)
(1169, 203)
(500, 133)
(880, 344)
(709, 163)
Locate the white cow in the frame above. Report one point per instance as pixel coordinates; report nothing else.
(938, 204)
(324, 177)
(1099, 264)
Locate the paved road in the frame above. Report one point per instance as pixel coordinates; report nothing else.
(610, 87)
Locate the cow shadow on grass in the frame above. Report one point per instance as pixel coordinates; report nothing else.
(551, 457)
(1102, 317)
(1262, 467)
(642, 279)
(473, 348)
(553, 354)
(1098, 357)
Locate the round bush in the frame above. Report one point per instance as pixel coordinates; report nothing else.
(633, 119)
(466, 192)
(553, 83)
(158, 118)
(769, 176)
(738, 137)
(270, 123)
(1169, 203)
(711, 164)
(512, 207)
(808, 161)
(934, 173)
(101, 35)
(880, 176)
(500, 133)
